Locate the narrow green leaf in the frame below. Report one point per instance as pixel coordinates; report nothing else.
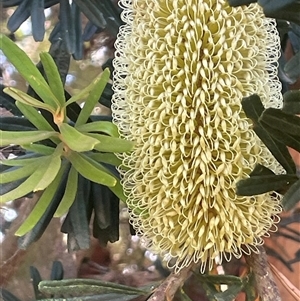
(260, 170)
(250, 287)
(221, 279)
(101, 297)
(57, 271)
(37, 231)
(282, 121)
(76, 140)
(292, 67)
(36, 119)
(8, 296)
(53, 165)
(81, 96)
(91, 169)
(235, 3)
(117, 189)
(27, 69)
(103, 202)
(78, 37)
(5, 188)
(94, 95)
(28, 100)
(53, 77)
(67, 25)
(230, 294)
(105, 127)
(291, 102)
(292, 196)
(40, 206)
(15, 123)
(13, 174)
(111, 144)
(39, 148)
(282, 10)
(253, 108)
(108, 158)
(20, 162)
(283, 137)
(84, 93)
(28, 185)
(70, 193)
(262, 184)
(19, 138)
(93, 12)
(35, 279)
(210, 290)
(79, 215)
(82, 286)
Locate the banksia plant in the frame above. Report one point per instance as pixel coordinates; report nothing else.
(181, 71)
(62, 152)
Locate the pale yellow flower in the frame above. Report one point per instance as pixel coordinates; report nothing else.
(181, 70)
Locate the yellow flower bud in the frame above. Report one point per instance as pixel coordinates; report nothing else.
(181, 70)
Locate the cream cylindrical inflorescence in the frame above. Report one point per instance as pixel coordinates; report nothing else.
(181, 70)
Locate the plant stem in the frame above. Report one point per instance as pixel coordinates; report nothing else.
(265, 284)
(171, 284)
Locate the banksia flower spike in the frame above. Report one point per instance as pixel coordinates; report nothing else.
(181, 70)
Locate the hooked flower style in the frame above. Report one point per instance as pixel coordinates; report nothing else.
(181, 70)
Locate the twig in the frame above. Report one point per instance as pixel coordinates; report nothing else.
(265, 283)
(294, 291)
(171, 284)
(10, 256)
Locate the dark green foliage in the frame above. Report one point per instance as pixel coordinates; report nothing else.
(8, 103)
(7, 296)
(292, 67)
(241, 2)
(292, 196)
(253, 108)
(57, 271)
(77, 289)
(40, 227)
(56, 274)
(104, 15)
(279, 9)
(36, 279)
(79, 215)
(291, 102)
(38, 19)
(285, 128)
(262, 184)
(235, 286)
(15, 123)
(277, 129)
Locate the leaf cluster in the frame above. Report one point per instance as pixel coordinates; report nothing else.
(76, 289)
(278, 9)
(277, 129)
(91, 289)
(212, 286)
(101, 15)
(71, 162)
